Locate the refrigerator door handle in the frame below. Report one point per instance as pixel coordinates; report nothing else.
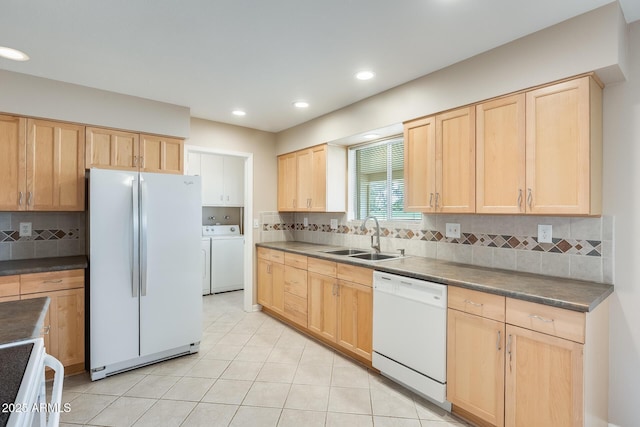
(135, 242)
(143, 237)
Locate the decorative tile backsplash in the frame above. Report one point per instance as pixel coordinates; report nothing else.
(52, 234)
(582, 247)
(528, 243)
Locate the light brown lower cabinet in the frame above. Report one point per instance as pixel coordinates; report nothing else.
(518, 363)
(65, 319)
(338, 299)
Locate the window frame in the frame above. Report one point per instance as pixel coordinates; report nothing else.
(354, 202)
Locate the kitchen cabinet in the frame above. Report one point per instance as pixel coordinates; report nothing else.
(331, 301)
(518, 363)
(355, 318)
(54, 166)
(540, 152)
(271, 279)
(161, 154)
(295, 288)
(475, 354)
(440, 162)
(341, 305)
(222, 178)
(317, 180)
(13, 180)
(287, 182)
(115, 149)
(41, 165)
(564, 148)
(420, 165)
(9, 288)
(500, 161)
(111, 149)
(65, 319)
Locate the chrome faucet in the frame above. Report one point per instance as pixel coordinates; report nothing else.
(376, 247)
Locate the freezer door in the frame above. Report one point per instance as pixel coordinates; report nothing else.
(113, 285)
(170, 262)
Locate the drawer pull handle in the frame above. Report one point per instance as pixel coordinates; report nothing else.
(46, 330)
(53, 281)
(542, 319)
(467, 301)
(499, 340)
(509, 351)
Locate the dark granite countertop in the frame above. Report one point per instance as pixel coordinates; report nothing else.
(22, 320)
(42, 265)
(571, 294)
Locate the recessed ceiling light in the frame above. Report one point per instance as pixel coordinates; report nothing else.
(16, 55)
(238, 113)
(371, 135)
(301, 104)
(365, 75)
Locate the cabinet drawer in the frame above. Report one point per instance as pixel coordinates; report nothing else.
(51, 281)
(264, 253)
(9, 286)
(320, 266)
(549, 320)
(271, 255)
(277, 256)
(295, 308)
(474, 302)
(351, 273)
(295, 260)
(295, 281)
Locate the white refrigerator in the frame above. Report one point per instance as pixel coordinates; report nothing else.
(145, 301)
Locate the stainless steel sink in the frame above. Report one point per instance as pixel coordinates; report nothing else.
(372, 256)
(346, 252)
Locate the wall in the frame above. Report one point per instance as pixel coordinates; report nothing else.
(205, 133)
(595, 41)
(621, 198)
(581, 248)
(551, 54)
(53, 234)
(37, 97)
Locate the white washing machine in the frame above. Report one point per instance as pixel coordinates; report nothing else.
(227, 258)
(206, 265)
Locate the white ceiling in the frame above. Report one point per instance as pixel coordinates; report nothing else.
(261, 55)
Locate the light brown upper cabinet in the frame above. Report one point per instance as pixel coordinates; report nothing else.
(41, 165)
(500, 161)
(564, 148)
(114, 149)
(13, 180)
(440, 162)
(315, 177)
(420, 165)
(540, 152)
(161, 154)
(287, 182)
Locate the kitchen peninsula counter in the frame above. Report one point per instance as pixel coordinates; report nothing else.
(576, 295)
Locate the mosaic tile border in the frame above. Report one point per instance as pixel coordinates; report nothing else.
(14, 236)
(528, 243)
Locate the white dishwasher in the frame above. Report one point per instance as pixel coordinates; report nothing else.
(410, 333)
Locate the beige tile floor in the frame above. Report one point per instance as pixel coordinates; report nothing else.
(254, 371)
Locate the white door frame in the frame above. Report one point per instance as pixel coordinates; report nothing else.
(248, 214)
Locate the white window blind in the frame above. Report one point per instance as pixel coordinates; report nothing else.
(379, 181)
